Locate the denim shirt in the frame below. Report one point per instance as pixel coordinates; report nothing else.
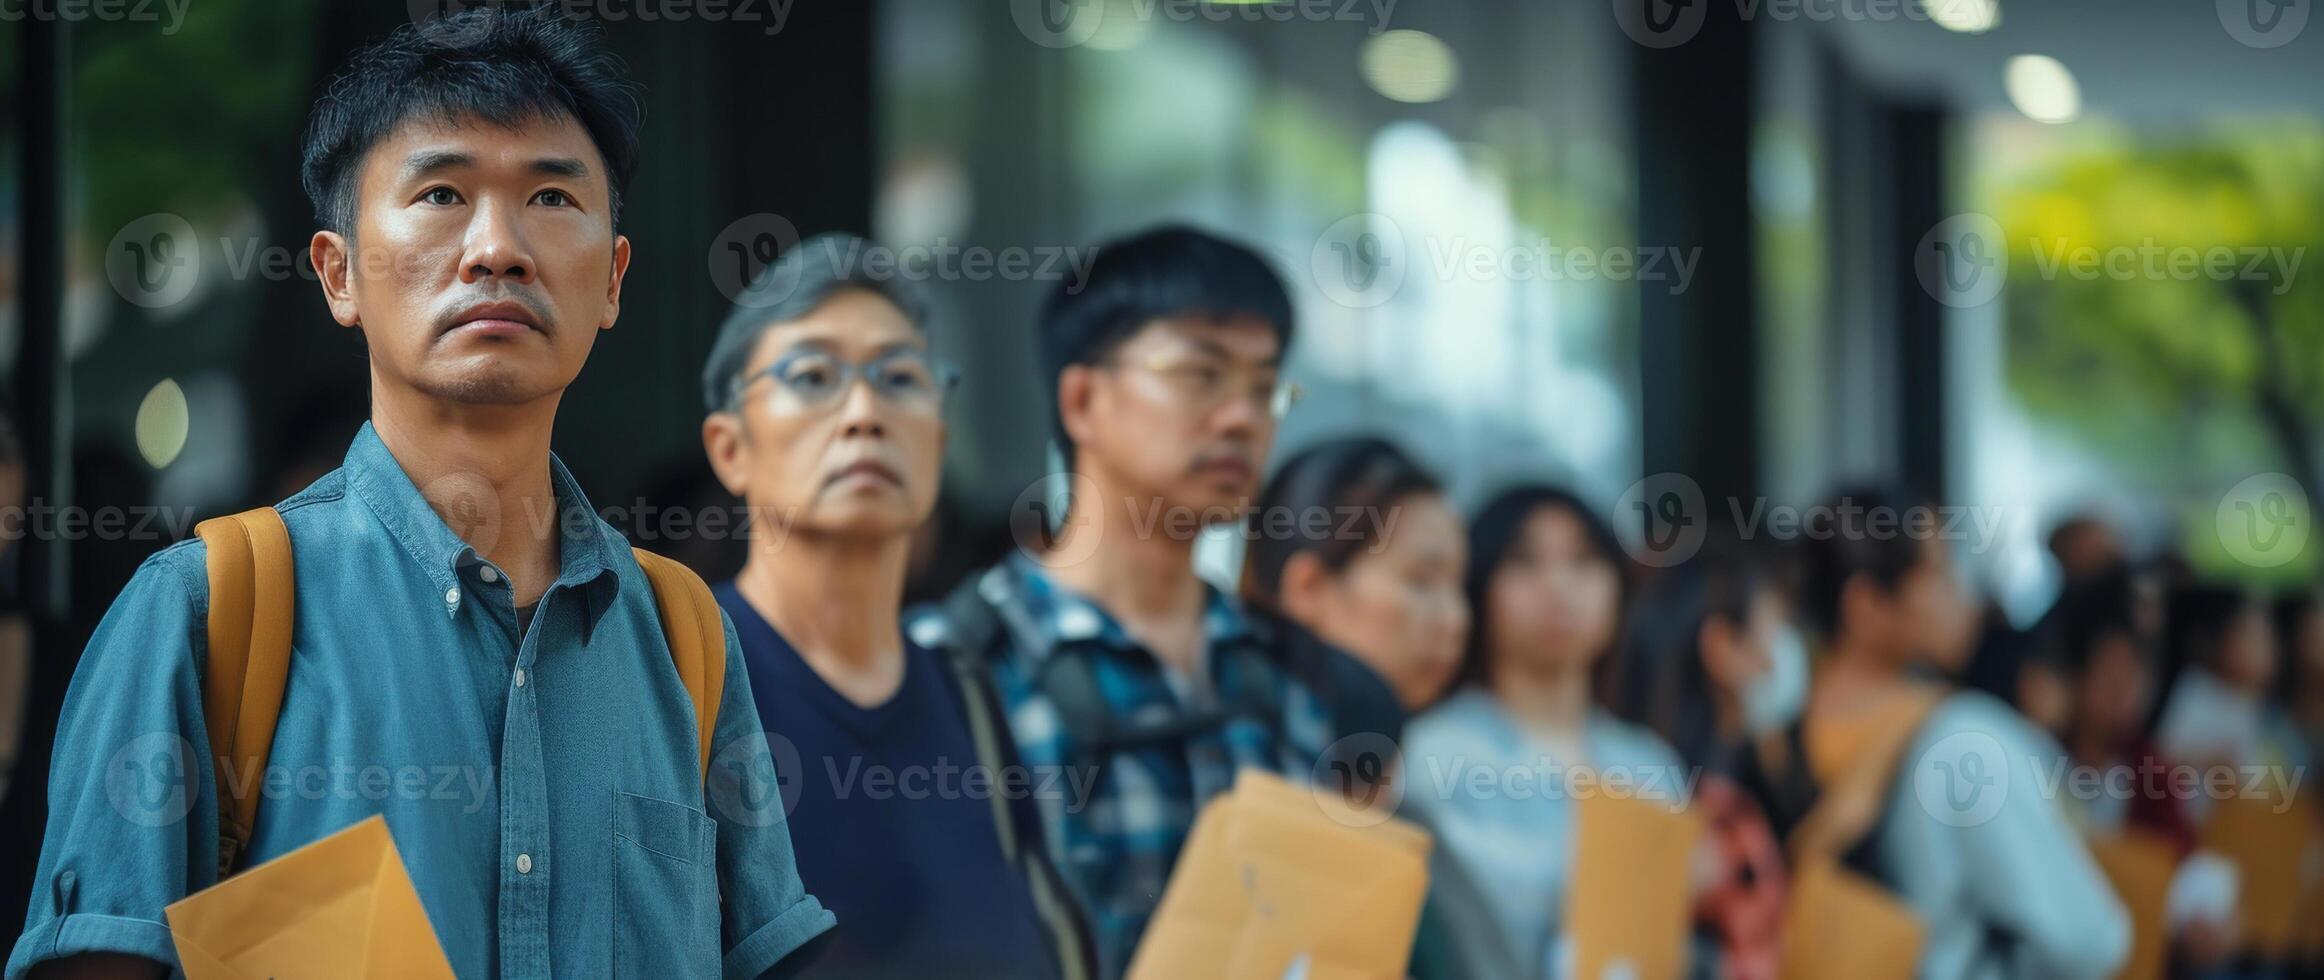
(543, 787)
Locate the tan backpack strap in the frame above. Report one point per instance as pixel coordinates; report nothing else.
(1852, 800)
(697, 638)
(253, 602)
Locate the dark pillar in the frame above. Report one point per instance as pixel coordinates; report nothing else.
(1917, 133)
(1698, 349)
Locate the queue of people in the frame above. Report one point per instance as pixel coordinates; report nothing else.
(1829, 799)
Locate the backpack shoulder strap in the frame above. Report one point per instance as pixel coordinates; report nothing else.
(1853, 797)
(253, 600)
(971, 629)
(697, 638)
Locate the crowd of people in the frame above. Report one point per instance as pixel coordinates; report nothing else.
(1881, 778)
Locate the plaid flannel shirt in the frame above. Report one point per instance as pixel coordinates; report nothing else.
(1115, 824)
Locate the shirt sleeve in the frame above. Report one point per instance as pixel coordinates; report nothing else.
(2027, 865)
(767, 912)
(132, 817)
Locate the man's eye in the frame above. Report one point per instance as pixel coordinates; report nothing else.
(441, 196)
(553, 198)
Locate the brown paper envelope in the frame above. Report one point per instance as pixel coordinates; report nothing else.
(2140, 866)
(1345, 889)
(343, 905)
(1258, 786)
(2266, 847)
(1633, 887)
(1336, 930)
(1265, 878)
(1840, 925)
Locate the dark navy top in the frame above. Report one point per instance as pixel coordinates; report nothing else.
(891, 834)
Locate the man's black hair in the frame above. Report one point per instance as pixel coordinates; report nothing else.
(506, 66)
(1169, 271)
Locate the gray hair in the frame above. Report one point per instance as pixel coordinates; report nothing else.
(794, 285)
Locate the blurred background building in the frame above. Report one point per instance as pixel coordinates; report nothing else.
(1763, 245)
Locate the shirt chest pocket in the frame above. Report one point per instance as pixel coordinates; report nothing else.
(665, 889)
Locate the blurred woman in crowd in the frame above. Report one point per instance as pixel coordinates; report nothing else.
(2097, 642)
(1545, 582)
(2217, 711)
(1966, 837)
(1356, 558)
(1712, 661)
(1357, 547)
(2300, 631)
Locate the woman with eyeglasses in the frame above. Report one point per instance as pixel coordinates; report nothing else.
(826, 419)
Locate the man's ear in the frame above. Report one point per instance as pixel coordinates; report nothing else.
(613, 288)
(1303, 589)
(728, 448)
(333, 257)
(1076, 391)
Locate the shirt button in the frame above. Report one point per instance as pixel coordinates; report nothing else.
(520, 677)
(489, 574)
(524, 864)
(452, 596)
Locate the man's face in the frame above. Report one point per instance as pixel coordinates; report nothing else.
(1180, 412)
(812, 448)
(483, 260)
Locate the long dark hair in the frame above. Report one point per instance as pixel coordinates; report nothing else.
(1490, 537)
(1659, 680)
(1366, 474)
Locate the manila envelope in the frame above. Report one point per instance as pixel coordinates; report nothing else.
(2140, 866)
(342, 906)
(1267, 886)
(1840, 925)
(2267, 840)
(1632, 901)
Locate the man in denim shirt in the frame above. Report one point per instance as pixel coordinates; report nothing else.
(1118, 666)
(476, 655)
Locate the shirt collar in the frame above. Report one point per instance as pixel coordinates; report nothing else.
(1060, 616)
(586, 542)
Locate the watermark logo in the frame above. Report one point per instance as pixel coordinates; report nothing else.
(2263, 520)
(2263, 23)
(1963, 780)
(1360, 261)
(755, 782)
(1963, 261)
(171, 14)
(743, 248)
(1363, 260)
(1660, 23)
(1058, 23)
(768, 16)
(1355, 781)
(1038, 520)
(150, 780)
(438, 18)
(154, 261)
(1662, 519)
(465, 502)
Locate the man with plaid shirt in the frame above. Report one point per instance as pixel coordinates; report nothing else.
(1121, 670)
